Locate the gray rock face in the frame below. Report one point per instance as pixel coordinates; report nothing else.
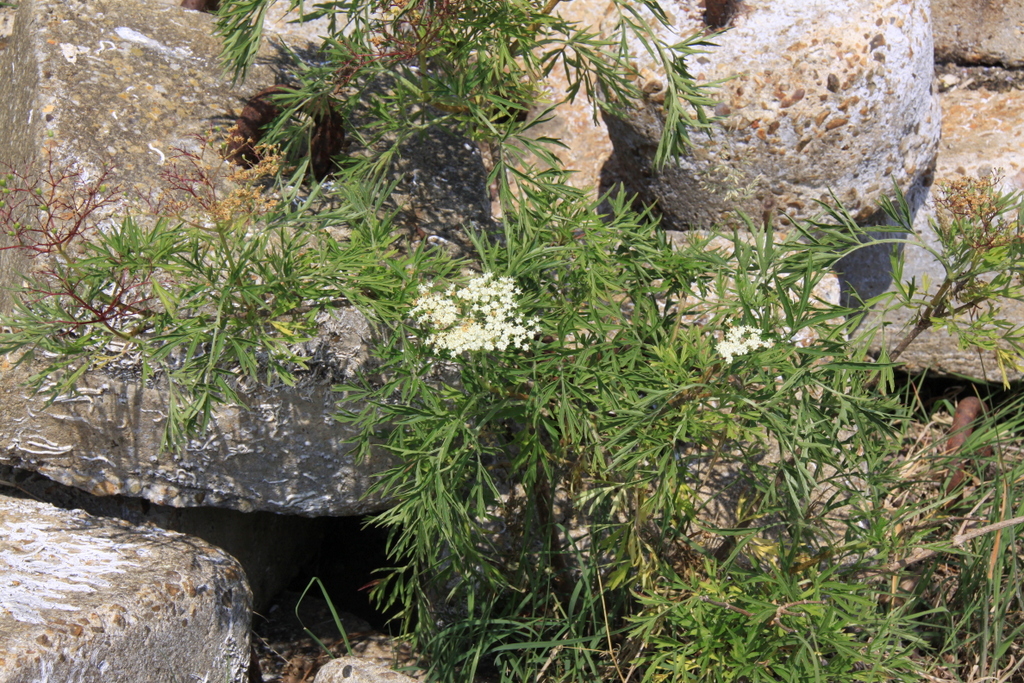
(264, 543)
(87, 599)
(822, 100)
(359, 670)
(979, 31)
(117, 85)
(285, 453)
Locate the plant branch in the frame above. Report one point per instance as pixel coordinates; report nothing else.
(922, 554)
(726, 605)
(780, 610)
(935, 308)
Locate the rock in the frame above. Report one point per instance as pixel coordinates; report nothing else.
(982, 133)
(264, 543)
(285, 454)
(117, 84)
(588, 146)
(819, 101)
(359, 670)
(278, 24)
(88, 599)
(979, 31)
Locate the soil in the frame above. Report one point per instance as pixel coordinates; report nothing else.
(288, 653)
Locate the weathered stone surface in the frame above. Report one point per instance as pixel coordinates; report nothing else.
(118, 85)
(283, 454)
(588, 146)
(115, 85)
(264, 543)
(979, 31)
(359, 670)
(820, 101)
(88, 599)
(982, 133)
(108, 85)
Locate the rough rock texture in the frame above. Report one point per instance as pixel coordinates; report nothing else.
(264, 543)
(821, 100)
(118, 85)
(359, 670)
(285, 454)
(115, 85)
(587, 141)
(982, 133)
(979, 31)
(87, 599)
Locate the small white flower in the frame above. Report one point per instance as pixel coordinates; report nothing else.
(483, 315)
(741, 340)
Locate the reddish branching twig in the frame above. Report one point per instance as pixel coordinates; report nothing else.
(43, 213)
(187, 182)
(122, 305)
(415, 31)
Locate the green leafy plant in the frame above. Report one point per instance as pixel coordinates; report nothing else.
(219, 293)
(982, 248)
(397, 68)
(615, 459)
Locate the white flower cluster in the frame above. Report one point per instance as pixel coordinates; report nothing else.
(483, 315)
(740, 340)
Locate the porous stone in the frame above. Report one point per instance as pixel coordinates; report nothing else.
(86, 599)
(979, 31)
(983, 133)
(816, 101)
(103, 85)
(359, 670)
(585, 136)
(117, 85)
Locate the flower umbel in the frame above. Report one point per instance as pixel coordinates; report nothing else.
(483, 315)
(740, 340)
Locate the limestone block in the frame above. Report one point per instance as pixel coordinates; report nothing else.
(359, 670)
(979, 31)
(86, 599)
(818, 101)
(278, 24)
(264, 543)
(588, 146)
(108, 85)
(117, 85)
(284, 453)
(982, 133)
